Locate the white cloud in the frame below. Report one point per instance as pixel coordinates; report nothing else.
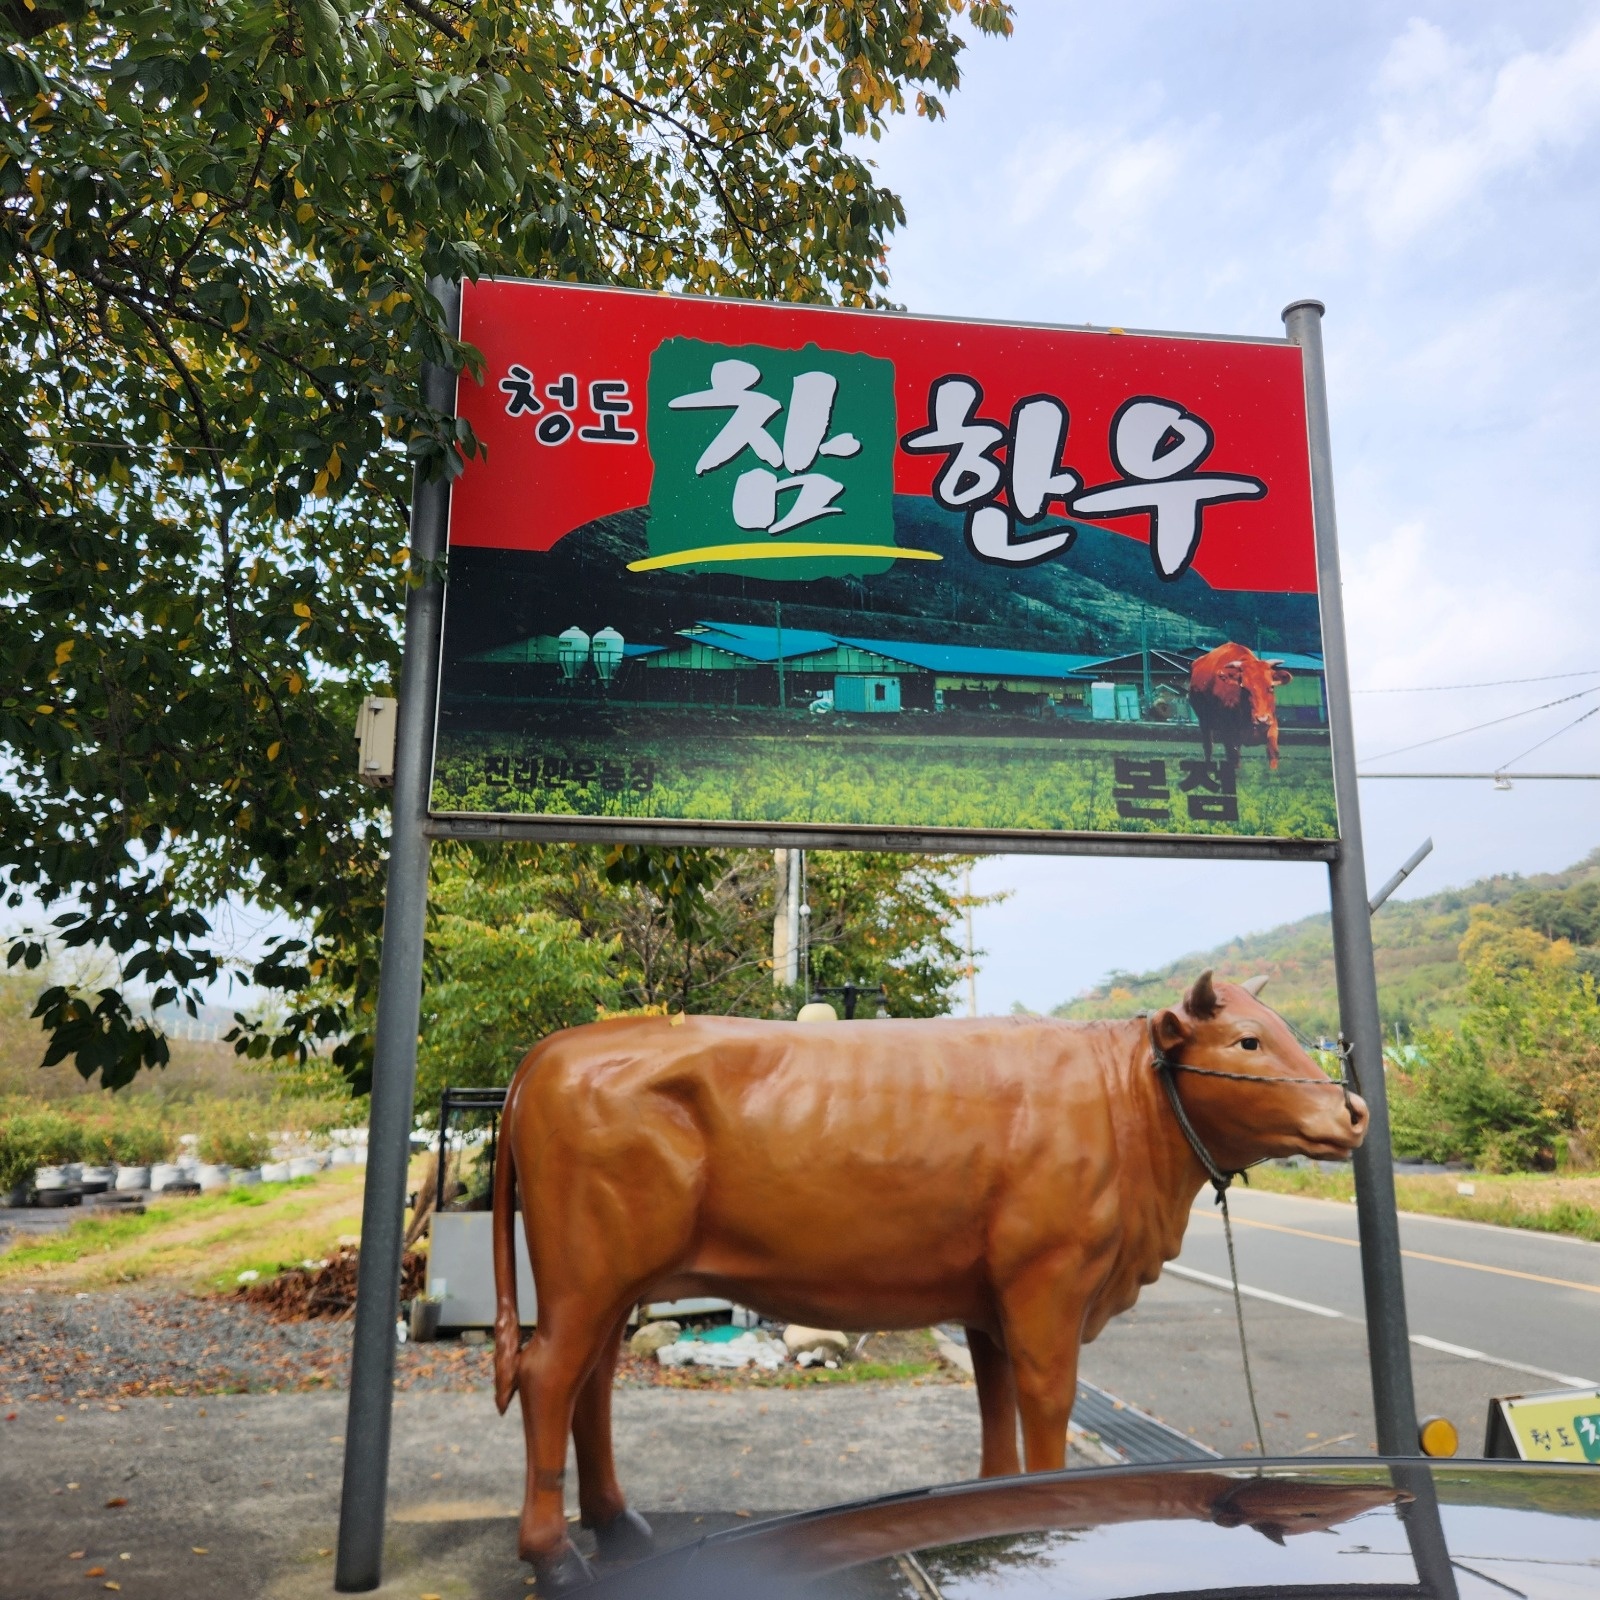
(1449, 126)
(1101, 191)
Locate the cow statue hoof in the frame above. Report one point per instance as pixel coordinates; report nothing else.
(626, 1537)
(561, 1573)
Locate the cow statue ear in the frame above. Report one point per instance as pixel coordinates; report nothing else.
(1280, 674)
(1170, 1030)
(1201, 1001)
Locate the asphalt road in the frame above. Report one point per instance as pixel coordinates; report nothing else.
(1530, 1300)
(1492, 1311)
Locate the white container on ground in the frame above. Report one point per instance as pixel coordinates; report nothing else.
(247, 1176)
(342, 1156)
(304, 1167)
(275, 1172)
(163, 1173)
(211, 1175)
(133, 1178)
(461, 1269)
(50, 1178)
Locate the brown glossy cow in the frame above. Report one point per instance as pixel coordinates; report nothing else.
(1276, 1507)
(1235, 698)
(1025, 1177)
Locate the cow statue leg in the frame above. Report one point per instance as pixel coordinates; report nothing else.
(553, 1366)
(997, 1405)
(620, 1534)
(1043, 1332)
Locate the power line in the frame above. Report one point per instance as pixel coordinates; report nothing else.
(1488, 683)
(1503, 777)
(1493, 722)
(1556, 735)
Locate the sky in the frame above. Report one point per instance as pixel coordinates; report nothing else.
(1433, 175)
(1430, 173)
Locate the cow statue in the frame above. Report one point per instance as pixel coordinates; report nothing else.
(1023, 1176)
(1234, 695)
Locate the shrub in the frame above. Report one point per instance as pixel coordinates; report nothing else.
(234, 1137)
(124, 1134)
(34, 1137)
(1518, 1081)
(19, 1150)
(141, 1139)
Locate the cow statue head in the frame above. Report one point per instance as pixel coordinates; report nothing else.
(1223, 1029)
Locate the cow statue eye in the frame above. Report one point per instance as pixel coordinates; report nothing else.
(1249, 1044)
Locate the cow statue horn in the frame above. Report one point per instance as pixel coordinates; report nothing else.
(1254, 986)
(1201, 1001)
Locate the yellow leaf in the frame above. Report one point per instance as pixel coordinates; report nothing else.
(46, 711)
(64, 649)
(296, 683)
(301, 609)
(273, 749)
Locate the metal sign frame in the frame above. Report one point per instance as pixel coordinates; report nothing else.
(598, 328)
(366, 1459)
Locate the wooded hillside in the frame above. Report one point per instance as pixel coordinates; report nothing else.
(1421, 980)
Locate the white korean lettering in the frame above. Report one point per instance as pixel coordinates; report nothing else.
(1158, 446)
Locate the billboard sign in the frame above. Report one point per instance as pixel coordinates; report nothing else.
(777, 567)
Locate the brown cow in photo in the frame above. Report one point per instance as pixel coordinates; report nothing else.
(1234, 695)
(1025, 1177)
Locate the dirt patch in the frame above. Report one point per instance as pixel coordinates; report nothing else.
(326, 1289)
(202, 1243)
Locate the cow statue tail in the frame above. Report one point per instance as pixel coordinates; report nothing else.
(507, 1322)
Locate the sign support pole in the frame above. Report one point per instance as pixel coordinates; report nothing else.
(1388, 1339)
(394, 1074)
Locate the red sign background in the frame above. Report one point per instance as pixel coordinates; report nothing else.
(526, 496)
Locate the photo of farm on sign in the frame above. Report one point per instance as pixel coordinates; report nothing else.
(760, 564)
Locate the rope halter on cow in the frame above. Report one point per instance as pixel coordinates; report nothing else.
(1167, 1070)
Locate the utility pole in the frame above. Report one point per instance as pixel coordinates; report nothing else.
(1388, 1337)
(802, 919)
(1144, 650)
(777, 612)
(972, 970)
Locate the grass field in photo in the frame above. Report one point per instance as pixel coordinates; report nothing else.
(838, 776)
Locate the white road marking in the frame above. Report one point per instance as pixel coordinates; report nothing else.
(1254, 1294)
(1565, 1379)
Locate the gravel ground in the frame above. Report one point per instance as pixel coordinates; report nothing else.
(123, 1344)
(120, 1345)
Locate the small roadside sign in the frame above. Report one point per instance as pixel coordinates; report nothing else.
(1559, 1426)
